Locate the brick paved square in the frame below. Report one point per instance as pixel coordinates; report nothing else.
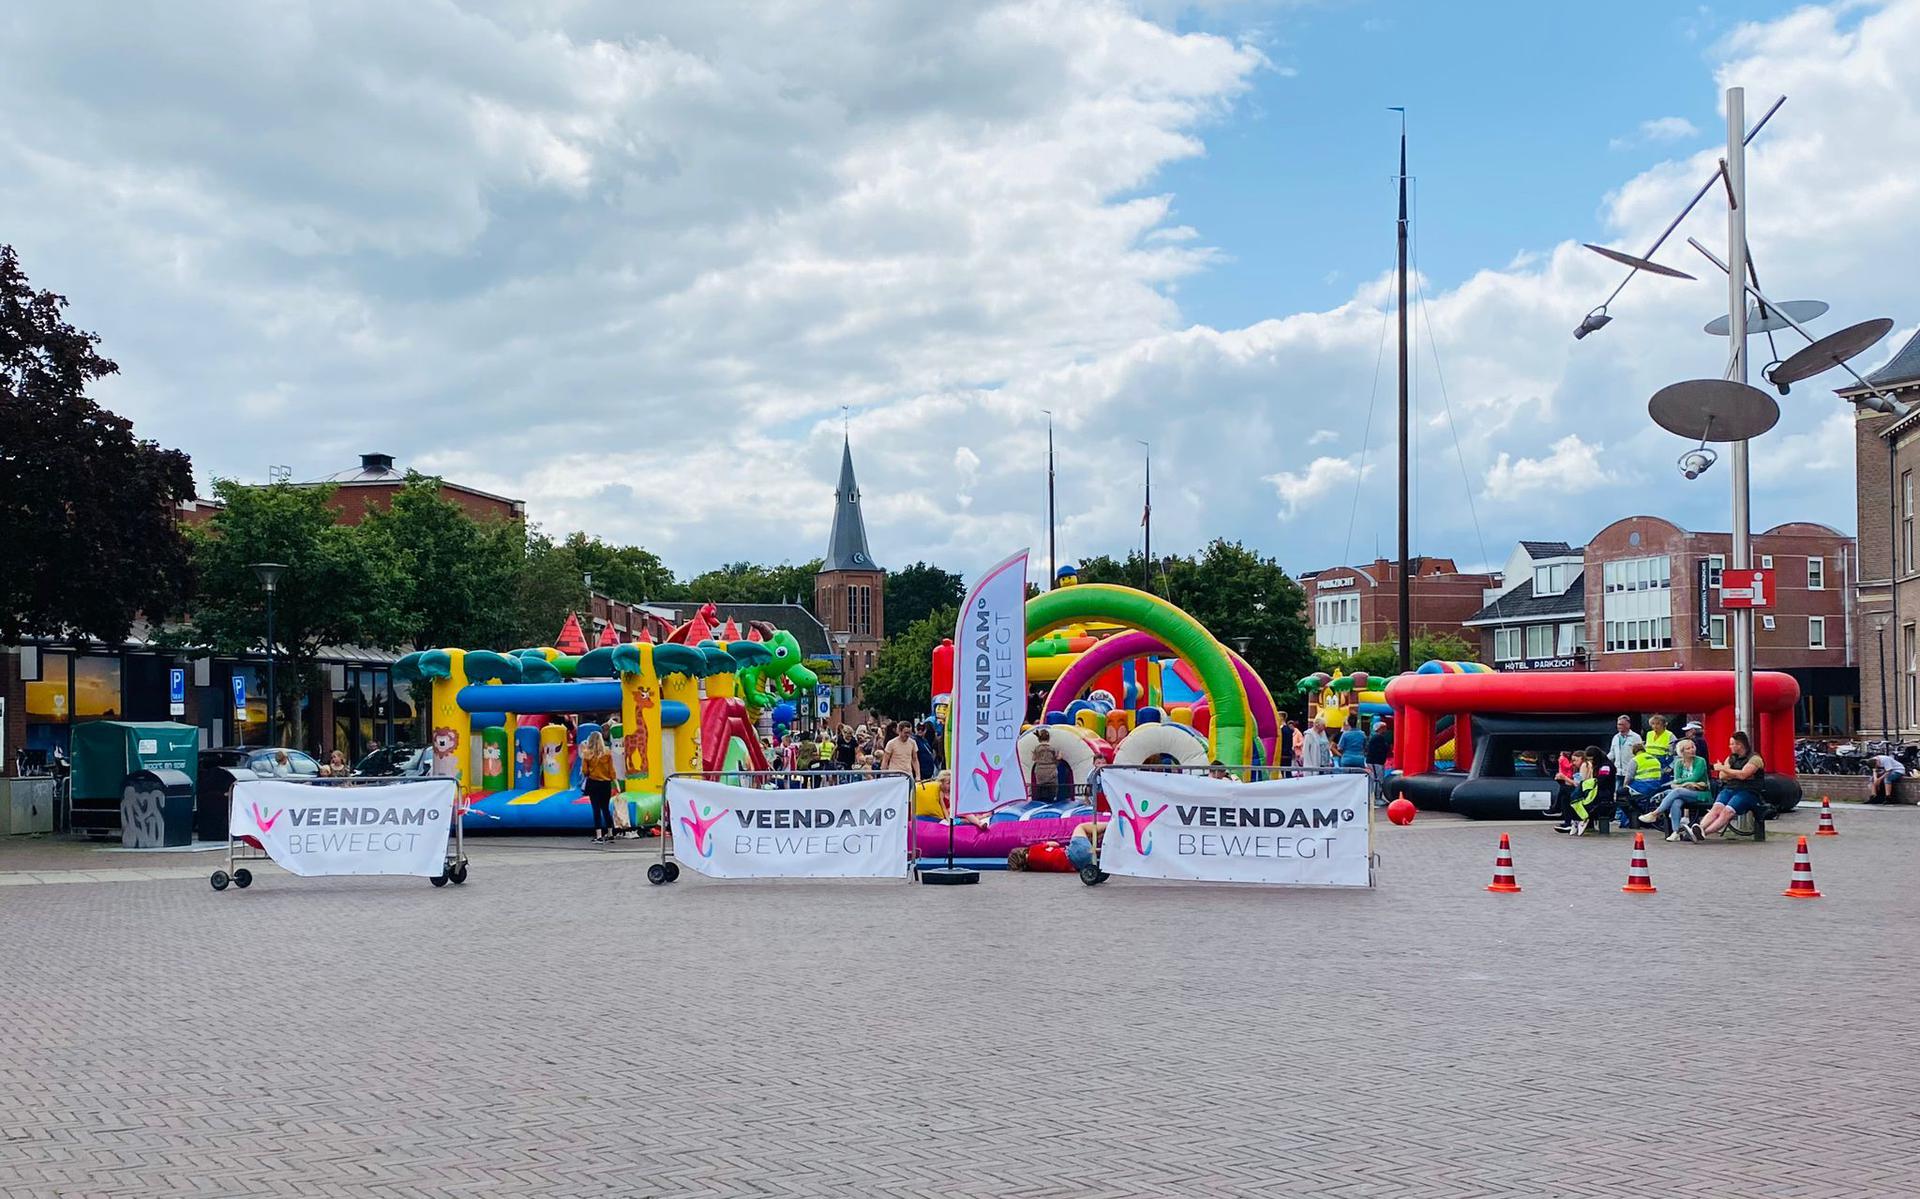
(558, 1027)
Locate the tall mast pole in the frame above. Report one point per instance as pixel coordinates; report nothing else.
(1406, 591)
(1146, 518)
(1053, 563)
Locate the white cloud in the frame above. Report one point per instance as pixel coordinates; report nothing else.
(1322, 477)
(1572, 467)
(628, 263)
(1657, 130)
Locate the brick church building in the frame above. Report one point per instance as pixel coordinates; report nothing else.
(849, 595)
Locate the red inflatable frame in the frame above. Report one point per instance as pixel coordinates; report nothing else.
(1418, 700)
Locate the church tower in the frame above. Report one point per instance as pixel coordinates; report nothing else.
(848, 593)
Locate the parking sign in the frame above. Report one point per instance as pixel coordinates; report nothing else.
(177, 691)
(239, 699)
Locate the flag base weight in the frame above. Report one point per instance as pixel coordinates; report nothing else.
(948, 876)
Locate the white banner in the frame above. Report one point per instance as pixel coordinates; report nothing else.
(990, 689)
(319, 828)
(853, 830)
(1307, 830)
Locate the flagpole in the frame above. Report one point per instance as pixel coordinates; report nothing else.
(1053, 564)
(1146, 518)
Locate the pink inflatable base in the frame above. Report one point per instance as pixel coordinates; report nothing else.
(998, 839)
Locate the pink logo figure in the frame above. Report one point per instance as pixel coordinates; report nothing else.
(1139, 822)
(989, 775)
(703, 844)
(266, 823)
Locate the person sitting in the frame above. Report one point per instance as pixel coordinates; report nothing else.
(1887, 773)
(1083, 848)
(1218, 770)
(1595, 789)
(1649, 779)
(1689, 784)
(1566, 784)
(979, 820)
(1741, 775)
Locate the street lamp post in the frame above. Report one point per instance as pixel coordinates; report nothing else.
(269, 574)
(1880, 627)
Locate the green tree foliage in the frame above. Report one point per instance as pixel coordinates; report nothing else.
(547, 588)
(1382, 658)
(342, 586)
(90, 512)
(625, 572)
(900, 685)
(751, 583)
(920, 589)
(458, 576)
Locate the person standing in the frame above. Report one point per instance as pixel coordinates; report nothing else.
(900, 752)
(1379, 749)
(1045, 776)
(1353, 744)
(596, 770)
(923, 746)
(844, 749)
(1315, 752)
(1659, 739)
(1620, 754)
(1284, 750)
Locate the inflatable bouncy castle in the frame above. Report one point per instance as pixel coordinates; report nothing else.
(690, 703)
(1134, 680)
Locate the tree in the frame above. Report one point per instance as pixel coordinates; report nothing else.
(751, 583)
(900, 684)
(90, 513)
(625, 572)
(914, 592)
(458, 575)
(1381, 659)
(1237, 593)
(548, 586)
(343, 584)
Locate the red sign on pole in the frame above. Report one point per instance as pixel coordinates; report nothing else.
(1746, 589)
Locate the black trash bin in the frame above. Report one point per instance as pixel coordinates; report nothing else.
(156, 809)
(214, 804)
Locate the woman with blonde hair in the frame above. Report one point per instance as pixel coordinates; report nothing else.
(596, 769)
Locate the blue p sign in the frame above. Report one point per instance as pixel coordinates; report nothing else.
(239, 697)
(177, 691)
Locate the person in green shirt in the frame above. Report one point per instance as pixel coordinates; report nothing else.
(1689, 785)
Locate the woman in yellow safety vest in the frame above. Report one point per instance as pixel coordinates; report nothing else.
(1659, 739)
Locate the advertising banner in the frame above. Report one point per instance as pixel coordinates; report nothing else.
(990, 689)
(853, 830)
(1310, 830)
(314, 829)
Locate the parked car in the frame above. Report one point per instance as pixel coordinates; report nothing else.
(220, 769)
(396, 761)
(262, 760)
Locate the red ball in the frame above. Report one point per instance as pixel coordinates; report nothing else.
(1400, 811)
(1048, 857)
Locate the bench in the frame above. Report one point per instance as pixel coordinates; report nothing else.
(1756, 820)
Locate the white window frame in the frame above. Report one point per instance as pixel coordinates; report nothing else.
(1542, 636)
(1715, 564)
(1816, 632)
(1511, 638)
(1717, 632)
(1816, 574)
(1766, 622)
(1766, 561)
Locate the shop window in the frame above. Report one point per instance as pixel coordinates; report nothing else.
(96, 688)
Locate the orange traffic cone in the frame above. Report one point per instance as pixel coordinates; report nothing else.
(1802, 885)
(1503, 868)
(1639, 880)
(1826, 828)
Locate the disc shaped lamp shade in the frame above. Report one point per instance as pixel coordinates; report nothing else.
(1830, 351)
(1638, 264)
(269, 573)
(1713, 410)
(1772, 318)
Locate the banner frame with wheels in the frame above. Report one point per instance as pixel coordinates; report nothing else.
(666, 870)
(1092, 875)
(244, 848)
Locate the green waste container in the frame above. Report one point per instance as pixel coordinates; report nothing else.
(105, 752)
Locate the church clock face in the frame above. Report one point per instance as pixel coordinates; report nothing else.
(859, 559)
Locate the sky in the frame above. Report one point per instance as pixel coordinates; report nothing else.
(644, 266)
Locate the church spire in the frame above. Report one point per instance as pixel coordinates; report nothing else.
(847, 546)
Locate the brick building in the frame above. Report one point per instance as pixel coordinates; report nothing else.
(371, 486)
(849, 595)
(1887, 617)
(1351, 606)
(1643, 595)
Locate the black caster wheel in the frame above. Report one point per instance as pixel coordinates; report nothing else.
(657, 874)
(243, 878)
(673, 872)
(459, 874)
(439, 880)
(219, 880)
(1093, 876)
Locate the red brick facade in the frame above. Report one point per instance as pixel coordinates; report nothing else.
(1441, 596)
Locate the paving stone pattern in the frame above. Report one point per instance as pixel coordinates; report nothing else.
(558, 1027)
